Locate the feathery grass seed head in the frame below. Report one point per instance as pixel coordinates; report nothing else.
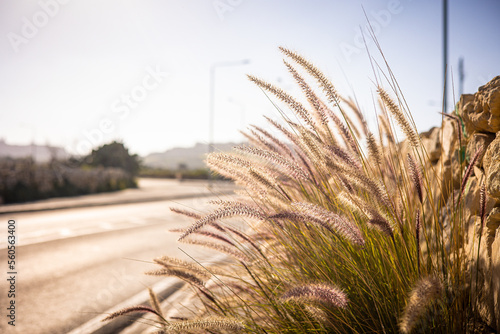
(224, 212)
(340, 224)
(323, 81)
(317, 293)
(415, 176)
(132, 309)
(482, 203)
(426, 291)
(186, 213)
(400, 118)
(179, 273)
(209, 324)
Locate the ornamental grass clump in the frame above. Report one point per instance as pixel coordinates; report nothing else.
(343, 228)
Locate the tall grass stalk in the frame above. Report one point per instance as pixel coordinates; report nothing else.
(341, 236)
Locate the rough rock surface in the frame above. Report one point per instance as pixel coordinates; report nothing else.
(481, 111)
(491, 163)
(449, 154)
(431, 140)
(448, 163)
(492, 281)
(476, 141)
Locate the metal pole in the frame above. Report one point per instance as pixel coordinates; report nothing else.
(211, 119)
(445, 54)
(211, 115)
(461, 76)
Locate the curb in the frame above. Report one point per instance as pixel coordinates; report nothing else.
(163, 288)
(125, 201)
(142, 325)
(167, 290)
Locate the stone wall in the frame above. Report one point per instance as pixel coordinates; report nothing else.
(476, 129)
(480, 113)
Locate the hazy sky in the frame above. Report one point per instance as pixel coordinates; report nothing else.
(79, 73)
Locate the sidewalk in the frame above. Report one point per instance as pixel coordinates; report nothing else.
(149, 190)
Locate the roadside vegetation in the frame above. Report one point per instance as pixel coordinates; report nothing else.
(196, 174)
(180, 174)
(107, 168)
(349, 229)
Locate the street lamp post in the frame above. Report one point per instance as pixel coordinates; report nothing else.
(212, 100)
(445, 55)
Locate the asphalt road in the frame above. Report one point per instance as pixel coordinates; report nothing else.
(74, 264)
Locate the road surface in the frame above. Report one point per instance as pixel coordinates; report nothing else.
(73, 264)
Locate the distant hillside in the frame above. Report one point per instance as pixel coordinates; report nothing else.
(40, 153)
(191, 157)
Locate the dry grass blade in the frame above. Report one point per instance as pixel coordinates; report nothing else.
(243, 237)
(232, 251)
(215, 236)
(359, 115)
(256, 140)
(384, 128)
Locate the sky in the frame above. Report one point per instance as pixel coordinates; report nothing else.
(80, 73)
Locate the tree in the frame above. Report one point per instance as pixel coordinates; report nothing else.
(114, 154)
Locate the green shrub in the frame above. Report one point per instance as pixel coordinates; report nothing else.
(115, 155)
(24, 180)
